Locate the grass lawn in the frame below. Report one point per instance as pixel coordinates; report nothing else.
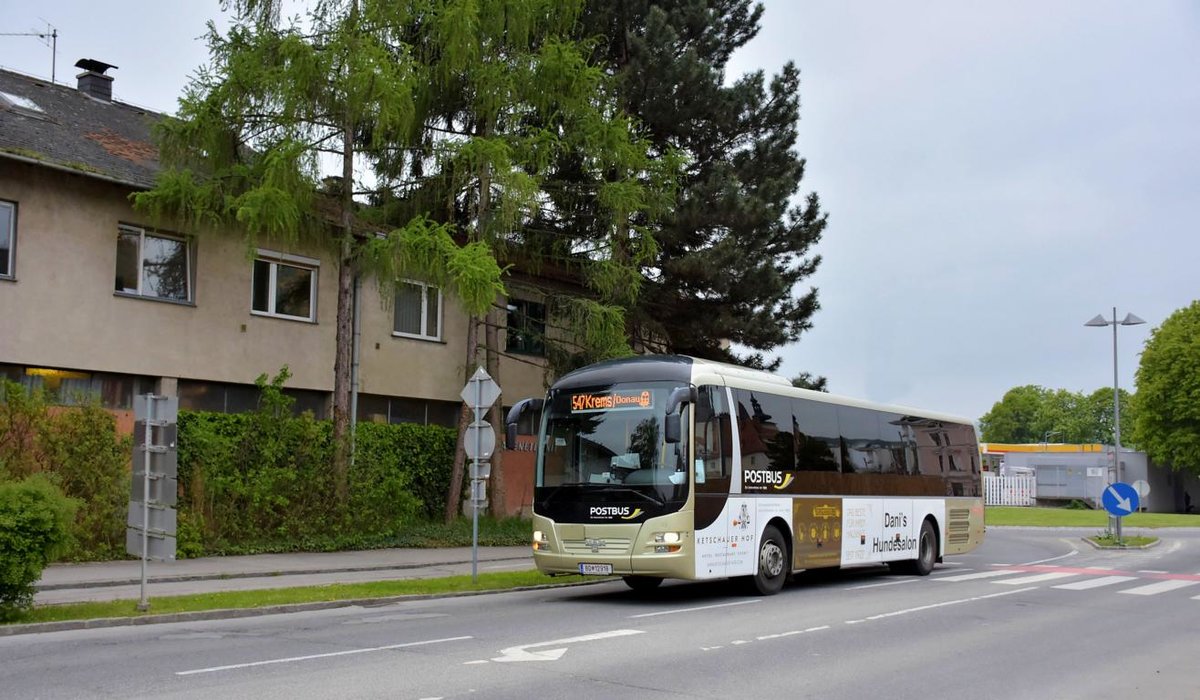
(282, 596)
(1069, 517)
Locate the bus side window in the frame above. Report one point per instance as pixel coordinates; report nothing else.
(713, 451)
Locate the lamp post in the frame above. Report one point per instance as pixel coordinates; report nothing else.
(1100, 321)
(1046, 439)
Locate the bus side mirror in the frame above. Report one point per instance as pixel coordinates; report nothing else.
(671, 425)
(671, 428)
(514, 417)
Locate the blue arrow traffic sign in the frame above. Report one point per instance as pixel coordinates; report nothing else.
(1120, 499)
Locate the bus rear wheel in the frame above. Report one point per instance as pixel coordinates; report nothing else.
(926, 554)
(642, 583)
(772, 563)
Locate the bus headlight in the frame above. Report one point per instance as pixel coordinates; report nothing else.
(541, 543)
(666, 542)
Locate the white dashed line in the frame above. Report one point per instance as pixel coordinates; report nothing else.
(1037, 578)
(700, 607)
(977, 575)
(1160, 587)
(1095, 583)
(291, 659)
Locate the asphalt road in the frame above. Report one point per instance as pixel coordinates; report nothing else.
(1031, 614)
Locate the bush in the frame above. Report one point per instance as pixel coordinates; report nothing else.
(79, 450)
(22, 415)
(35, 520)
(90, 462)
(262, 481)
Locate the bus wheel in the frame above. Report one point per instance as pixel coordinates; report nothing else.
(926, 554)
(642, 583)
(772, 563)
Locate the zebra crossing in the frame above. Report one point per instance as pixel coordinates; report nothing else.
(1141, 583)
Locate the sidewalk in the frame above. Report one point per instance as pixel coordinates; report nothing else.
(103, 581)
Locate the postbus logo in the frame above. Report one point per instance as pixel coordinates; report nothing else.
(610, 512)
(767, 477)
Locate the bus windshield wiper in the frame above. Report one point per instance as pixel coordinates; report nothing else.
(610, 488)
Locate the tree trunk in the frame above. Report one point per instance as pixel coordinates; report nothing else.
(344, 353)
(454, 493)
(496, 412)
(341, 374)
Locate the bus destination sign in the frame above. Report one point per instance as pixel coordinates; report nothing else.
(611, 401)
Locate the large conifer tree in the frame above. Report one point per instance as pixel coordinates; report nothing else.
(731, 256)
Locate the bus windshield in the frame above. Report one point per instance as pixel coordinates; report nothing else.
(605, 443)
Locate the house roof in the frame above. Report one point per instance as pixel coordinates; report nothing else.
(64, 128)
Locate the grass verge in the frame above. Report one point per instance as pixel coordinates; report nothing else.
(1069, 517)
(283, 596)
(1110, 541)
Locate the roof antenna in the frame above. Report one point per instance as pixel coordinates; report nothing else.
(49, 38)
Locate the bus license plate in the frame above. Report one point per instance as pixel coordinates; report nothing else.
(595, 569)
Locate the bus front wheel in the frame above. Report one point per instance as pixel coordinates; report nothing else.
(772, 563)
(642, 583)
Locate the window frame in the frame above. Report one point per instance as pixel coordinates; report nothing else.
(189, 262)
(425, 288)
(518, 309)
(10, 260)
(274, 259)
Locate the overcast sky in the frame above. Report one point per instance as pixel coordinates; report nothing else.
(995, 174)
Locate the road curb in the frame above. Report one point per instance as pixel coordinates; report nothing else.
(12, 630)
(183, 578)
(1157, 541)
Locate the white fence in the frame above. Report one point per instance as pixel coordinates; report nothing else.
(1009, 490)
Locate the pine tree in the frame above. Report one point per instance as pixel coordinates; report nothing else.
(735, 247)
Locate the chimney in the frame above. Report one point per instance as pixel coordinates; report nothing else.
(93, 81)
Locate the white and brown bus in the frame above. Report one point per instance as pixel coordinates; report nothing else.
(658, 467)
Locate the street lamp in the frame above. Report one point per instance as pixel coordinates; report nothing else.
(1046, 439)
(1100, 321)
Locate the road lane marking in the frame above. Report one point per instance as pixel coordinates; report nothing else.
(886, 583)
(1072, 553)
(291, 659)
(977, 575)
(699, 607)
(523, 653)
(791, 633)
(1036, 578)
(1160, 587)
(1094, 583)
(943, 604)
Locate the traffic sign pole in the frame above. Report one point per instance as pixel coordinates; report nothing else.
(144, 603)
(1120, 499)
(474, 500)
(480, 393)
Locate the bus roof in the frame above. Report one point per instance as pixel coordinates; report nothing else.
(685, 369)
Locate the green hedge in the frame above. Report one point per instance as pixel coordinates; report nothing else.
(249, 482)
(35, 522)
(252, 483)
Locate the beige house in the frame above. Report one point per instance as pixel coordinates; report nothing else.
(93, 298)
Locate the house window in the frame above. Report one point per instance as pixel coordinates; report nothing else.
(73, 387)
(526, 327)
(8, 237)
(152, 264)
(418, 311)
(285, 286)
